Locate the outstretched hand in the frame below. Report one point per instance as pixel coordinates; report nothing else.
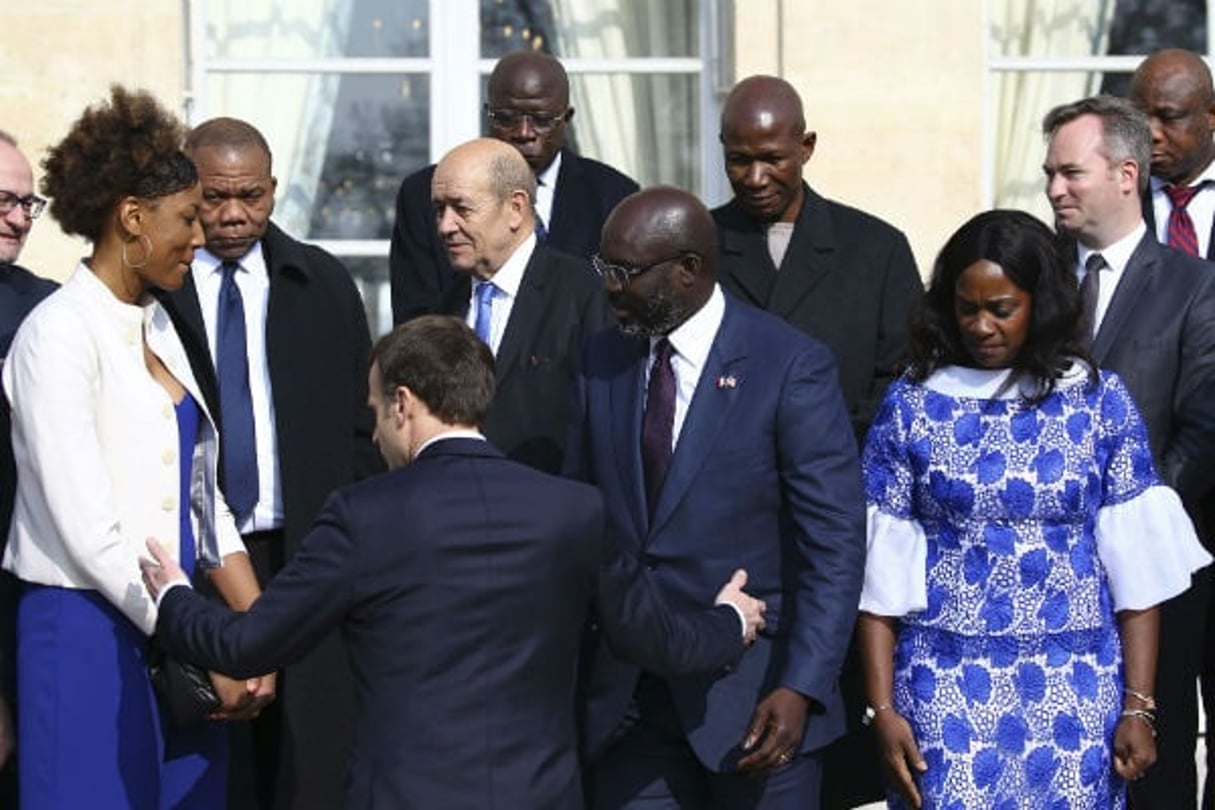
(159, 571)
(752, 609)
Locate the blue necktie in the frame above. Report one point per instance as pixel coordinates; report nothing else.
(237, 442)
(541, 231)
(485, 306)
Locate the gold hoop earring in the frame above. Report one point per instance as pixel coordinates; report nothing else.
(146, 242)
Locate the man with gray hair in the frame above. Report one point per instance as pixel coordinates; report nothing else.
(1150, 312)
(531, 304)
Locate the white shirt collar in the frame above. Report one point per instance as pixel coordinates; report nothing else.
(454, 433)
(510, 274)
(1208, 176)
(1118, 254)
(548, 177)
(693, 338)
(254, 262)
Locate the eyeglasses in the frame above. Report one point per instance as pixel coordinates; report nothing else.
(621, 273)
(32, 203)
(542, 122)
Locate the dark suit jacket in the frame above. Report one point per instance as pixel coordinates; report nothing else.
(317, 350)
(461, 605)
(1149, 217)
(765, 477)
(1159, 336)
(560, 303)
(419, 271)
(848, 279)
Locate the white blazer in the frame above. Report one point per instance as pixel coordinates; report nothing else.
(96, 443)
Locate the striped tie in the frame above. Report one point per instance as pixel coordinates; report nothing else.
(1181, 228)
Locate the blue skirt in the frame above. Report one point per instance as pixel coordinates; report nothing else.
(90, 731)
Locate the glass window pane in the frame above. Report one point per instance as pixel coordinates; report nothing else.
(1077, 28)
(341, 144)
(371, 276)
(600, 29)
(316, 29)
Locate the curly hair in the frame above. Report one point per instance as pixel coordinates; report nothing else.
(1034, 260)
(128, 146)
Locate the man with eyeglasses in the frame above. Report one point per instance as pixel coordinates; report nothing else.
(20, 291)
(716, 434)
(531, 304)
(528, 107)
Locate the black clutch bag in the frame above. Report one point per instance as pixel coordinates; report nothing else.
(184, 690)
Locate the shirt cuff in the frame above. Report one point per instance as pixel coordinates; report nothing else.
(180, 582)
(742, 619)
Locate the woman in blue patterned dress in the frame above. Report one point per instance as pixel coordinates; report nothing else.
(1019, 541)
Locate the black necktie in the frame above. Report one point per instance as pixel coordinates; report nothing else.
(658, 423)
(237, 439)
(1090, 290)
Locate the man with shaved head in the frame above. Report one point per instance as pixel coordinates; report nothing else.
(1173, 88)
(717, 434)
(529, 108)
(531, 304)
(837, 274)
(293, 427)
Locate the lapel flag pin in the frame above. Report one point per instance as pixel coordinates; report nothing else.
(727, 381)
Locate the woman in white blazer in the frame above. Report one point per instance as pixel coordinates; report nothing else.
(114, 445)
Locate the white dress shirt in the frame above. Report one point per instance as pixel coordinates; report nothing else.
(253, 279)
(1201, 209)
(546, 189)
(691, 342)
(1116, 256)
(96, 443)
(507, 280)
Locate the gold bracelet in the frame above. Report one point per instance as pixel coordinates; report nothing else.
(1148, 701)
(1143, 715)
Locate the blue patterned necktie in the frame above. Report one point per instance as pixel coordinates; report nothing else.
(485, 306)
(237, 438)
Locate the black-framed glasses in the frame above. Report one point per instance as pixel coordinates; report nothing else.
(621, 273)
(32, 203)
(509, 120)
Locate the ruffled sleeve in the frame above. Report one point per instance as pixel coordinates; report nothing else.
(895, 566)
(1144, 537)
(1148, 547)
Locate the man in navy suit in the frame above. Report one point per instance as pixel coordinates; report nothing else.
(719, 438)
(535, 304)
(1153, 318)
(461, 581)
(528, 107)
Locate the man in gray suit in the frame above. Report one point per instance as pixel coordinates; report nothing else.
(1153, 318)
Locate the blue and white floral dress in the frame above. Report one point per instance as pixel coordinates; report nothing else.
(1005, 536)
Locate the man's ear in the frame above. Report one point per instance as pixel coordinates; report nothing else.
(404, 402)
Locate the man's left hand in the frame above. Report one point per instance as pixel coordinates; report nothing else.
(776, 728)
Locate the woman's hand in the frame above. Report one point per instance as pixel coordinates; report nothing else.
(900, 754)
(1134, 747)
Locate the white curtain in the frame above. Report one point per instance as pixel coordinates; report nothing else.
(643, 124)
(1038, 28)
(293, 111)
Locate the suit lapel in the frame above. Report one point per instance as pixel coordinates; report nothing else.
(747, 260)
(810, 258)
(1143, 265)
(626, 395)
(527, 314)
(707, 413)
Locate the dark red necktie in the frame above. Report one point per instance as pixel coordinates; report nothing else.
(658, 424)
(1181, 228)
